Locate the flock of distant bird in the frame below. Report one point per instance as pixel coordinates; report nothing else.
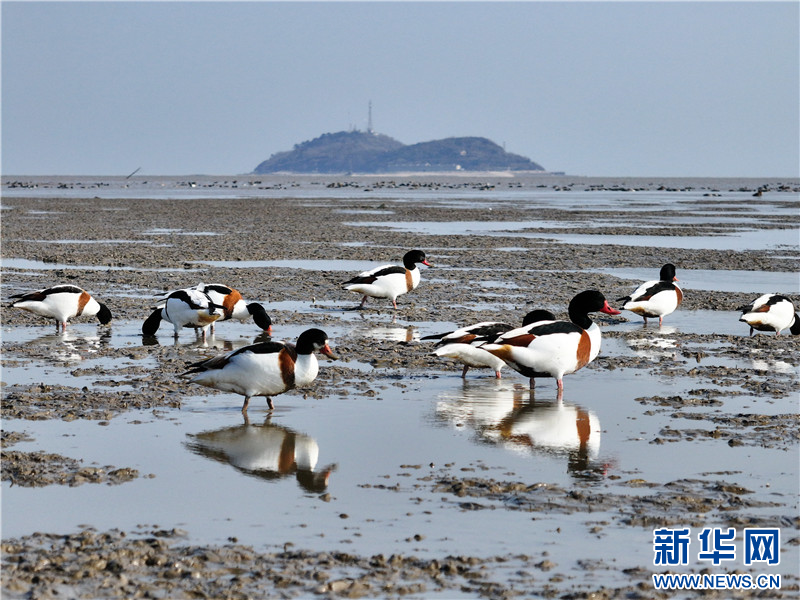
(541, 347)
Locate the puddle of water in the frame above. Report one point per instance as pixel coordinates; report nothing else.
(449, 421)
(708, 322)
(506, 285)
(744, 240)
(740, 240)
(377, 455)
(356, 266)
(464, 227)
(168, 231)
(388, 333)
(69, 242)
(502, 414)
(104, 378)
(25, 264)
(364, 211)
(654, 221)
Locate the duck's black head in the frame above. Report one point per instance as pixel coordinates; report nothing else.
(103, 315)
(151, 324)
(412, 257)
(795, 328)
(668, 273)
(538, 315)
(314, 340)
(260, 316)
(587, 302)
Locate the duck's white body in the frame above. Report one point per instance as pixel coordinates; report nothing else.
(190, 307)
(386, 281)
(389, 281)
(234, 306)
(62, 303)
(464, 344)
(264, 369)
(254, 371)
(771, 312)
(649, 301)
(471, 356)
(229, 302)
(232, 303)
(657, 298)
(548, 348)
(554, 348)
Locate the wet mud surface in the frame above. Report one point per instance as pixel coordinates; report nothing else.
(112, 564)
(165, 245)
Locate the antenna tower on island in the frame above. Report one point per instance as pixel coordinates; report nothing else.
(369, 119)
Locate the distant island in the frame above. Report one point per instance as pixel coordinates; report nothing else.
(370, 152)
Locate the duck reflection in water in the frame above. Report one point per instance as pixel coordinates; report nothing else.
(514, 419)
(211, 342)
(71, 345)
(402, 334)
(265, 451)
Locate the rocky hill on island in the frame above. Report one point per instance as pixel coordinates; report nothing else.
(369, 152)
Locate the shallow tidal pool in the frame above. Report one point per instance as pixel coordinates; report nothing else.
(365, 471)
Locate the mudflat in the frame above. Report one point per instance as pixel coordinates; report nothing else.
(126, 250)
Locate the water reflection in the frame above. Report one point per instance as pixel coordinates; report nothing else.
(389, 333)
(655, 349)
(210, 341)
(71, 346)
(511, 417)
(266, 451)
(771, 365)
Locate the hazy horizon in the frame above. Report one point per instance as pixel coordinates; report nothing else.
(592, 89)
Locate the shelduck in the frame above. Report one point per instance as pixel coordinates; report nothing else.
(62, 303)
(389, 281)
(554, 348)
(463, 344)
(655, 298)
(264, 369)
(233, 306)
(184, 308)
(771, 312)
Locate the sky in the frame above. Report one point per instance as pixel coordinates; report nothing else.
(589, 88)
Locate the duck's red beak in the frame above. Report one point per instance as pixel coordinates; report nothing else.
(426, 263)
(608, 310)
(326, 350)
